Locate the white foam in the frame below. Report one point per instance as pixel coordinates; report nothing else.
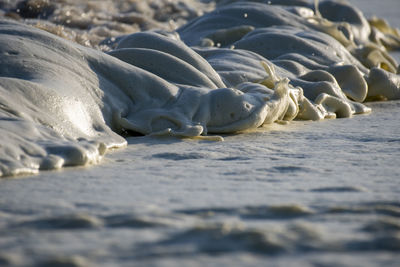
(64, 104)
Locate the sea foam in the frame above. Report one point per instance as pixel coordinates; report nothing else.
(236, 68)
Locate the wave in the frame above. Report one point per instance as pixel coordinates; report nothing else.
(238, 67)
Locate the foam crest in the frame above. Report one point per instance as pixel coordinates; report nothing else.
(241, 66)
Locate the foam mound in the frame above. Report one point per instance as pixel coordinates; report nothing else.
(236, 68)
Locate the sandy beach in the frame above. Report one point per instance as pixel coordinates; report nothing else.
(304, 193)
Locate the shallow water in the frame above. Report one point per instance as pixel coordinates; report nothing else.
(303, 194)
(314, 194)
